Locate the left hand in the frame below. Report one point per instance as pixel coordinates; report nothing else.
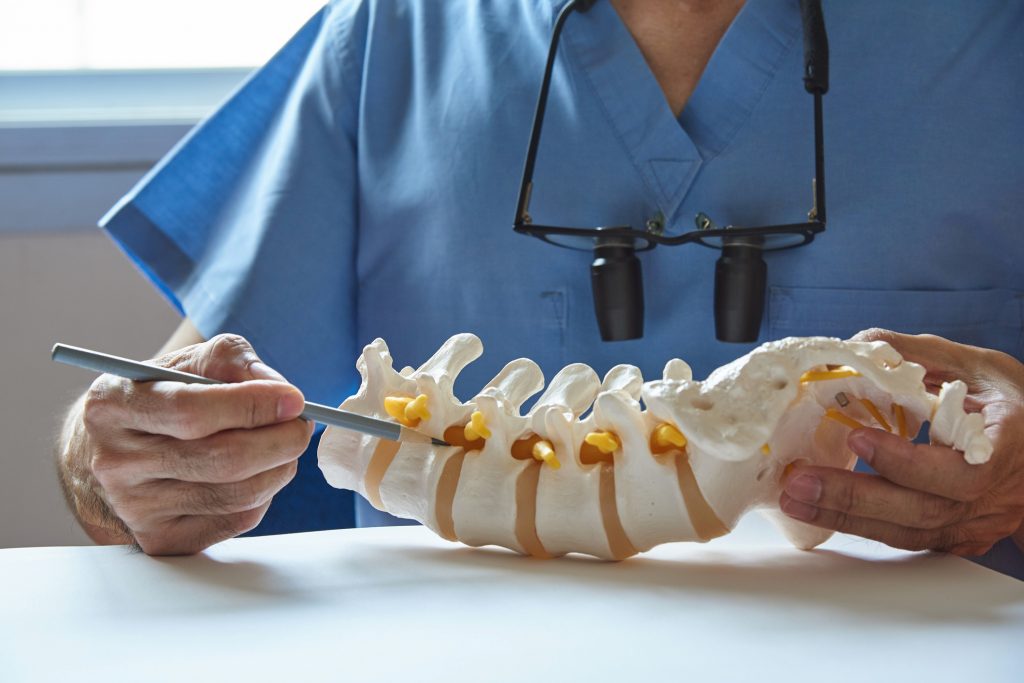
(927, 496)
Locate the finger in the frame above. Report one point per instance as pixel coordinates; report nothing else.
(943, 359)
(194, 411)
(190, 535)
(226, 357)
(934, 469)
(981, 533)
(168, 499)
(973, 537)
(870, 496)
(230, 456)
(895, 535)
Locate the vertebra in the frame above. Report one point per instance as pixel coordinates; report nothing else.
(685, 466)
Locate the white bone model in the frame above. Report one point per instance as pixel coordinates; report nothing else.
(625, 478)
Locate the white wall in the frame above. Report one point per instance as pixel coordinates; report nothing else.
(62, 279)
(76, 288)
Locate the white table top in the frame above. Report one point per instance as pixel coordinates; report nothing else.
(399, 604)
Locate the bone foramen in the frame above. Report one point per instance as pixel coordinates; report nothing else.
(683, 466)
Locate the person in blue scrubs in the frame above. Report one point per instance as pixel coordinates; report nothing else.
(362, 184)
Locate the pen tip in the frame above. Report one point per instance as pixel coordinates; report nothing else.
(412, 436)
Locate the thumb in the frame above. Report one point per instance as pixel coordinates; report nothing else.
(230, 358)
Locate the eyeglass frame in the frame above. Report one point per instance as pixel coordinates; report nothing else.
(815, 82)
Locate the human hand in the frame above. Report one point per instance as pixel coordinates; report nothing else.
(927, 496)
(178, 466)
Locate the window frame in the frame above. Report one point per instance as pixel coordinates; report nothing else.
(72, 143)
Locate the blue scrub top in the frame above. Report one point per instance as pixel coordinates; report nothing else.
(363, 184)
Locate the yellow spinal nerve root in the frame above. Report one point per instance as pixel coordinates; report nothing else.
(606, 442)
(408, 411)
(843, 419)
(545, 452)
(477, 427)
(876, 413)
(667, 437)
(598, 447)
(822, 375)
(901, 420)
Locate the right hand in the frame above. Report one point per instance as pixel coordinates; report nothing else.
(184, 466)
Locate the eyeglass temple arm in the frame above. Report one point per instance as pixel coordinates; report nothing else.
(816, 77)
(816, 83)
(525, 189)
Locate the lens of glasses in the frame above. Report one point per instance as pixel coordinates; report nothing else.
(617, 283)
(740, 277)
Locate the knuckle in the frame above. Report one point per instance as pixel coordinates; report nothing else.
(157, 545)
(936, 513)
(217, 499)
(225, 456)
(185, 416)
(875, 334)
(183, 358)
(231, 498)
(222, 356)
(179, 459)
(248, 495)
(102, 462)
(229, 350)
(240, 497)
(163, 542)
(283, 475)
(107, 467)
(241, 522)
(911, 539)
(293, 469)
(131, 511)
(296, 439)
(227, 346)
(257, 403)
(850, 498)
(841, 521)
(102, 402)
(248, 520)
(975, 489)
(254, 409)
(200, 499)
(952, 536)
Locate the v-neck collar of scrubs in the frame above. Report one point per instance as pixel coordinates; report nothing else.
(669, 152)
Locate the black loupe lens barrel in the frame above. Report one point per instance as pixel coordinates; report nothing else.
(618, 286)
(740, 277)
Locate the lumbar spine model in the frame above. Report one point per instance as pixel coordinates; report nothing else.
(685, 467)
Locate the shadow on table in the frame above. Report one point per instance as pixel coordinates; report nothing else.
(914, 589)
(820, 579)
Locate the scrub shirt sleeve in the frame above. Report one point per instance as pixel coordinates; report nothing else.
(249, 224)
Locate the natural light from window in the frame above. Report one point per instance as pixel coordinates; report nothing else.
(71, 35)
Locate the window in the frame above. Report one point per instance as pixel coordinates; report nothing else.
(133, 60)
(94, 92)
(145, 34)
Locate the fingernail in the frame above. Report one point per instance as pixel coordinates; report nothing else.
(260, 370)
(290, 406)
(805, 487)
(862, 444)
(798, 510)
(788, 469)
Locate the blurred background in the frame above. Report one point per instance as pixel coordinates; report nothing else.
(92, 94)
